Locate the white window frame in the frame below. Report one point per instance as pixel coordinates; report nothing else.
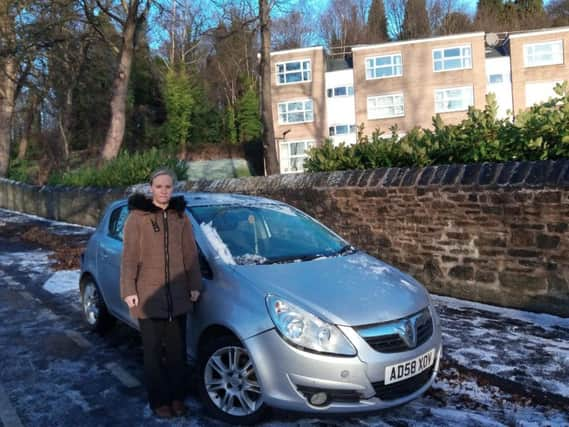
(302, 70)
(462, 57)
(349, 91)
(446, 98)
(529, 53)
(547, 90)
(393, 66)
(494, 75)
(374, 114)
(286, 163)
(351, 129)
(304, 111)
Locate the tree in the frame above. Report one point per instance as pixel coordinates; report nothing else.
(377, 23)
(343, 23)
(290, 31)
(28, 28)
(455, 23)
(130, 16)
(416, 21)
(248, 119)
(8, 79)
(448, 17)
(269, 144)
(531, 14)
(179, 102)
(558, 12)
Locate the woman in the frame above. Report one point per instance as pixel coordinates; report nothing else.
(160, 281)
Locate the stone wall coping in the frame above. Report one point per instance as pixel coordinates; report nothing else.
(523, 174)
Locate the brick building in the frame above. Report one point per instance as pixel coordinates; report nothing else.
(317, 95)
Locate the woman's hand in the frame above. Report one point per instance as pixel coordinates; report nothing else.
(194, 295)
(131, 301)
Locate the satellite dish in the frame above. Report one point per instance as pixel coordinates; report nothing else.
(492, 39)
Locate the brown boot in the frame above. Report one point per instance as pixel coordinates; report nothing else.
(163, 411)
(179, 408)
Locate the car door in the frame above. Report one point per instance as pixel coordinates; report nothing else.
(109, 262)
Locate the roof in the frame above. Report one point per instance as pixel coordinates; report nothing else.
(495, 52)
(338, 64)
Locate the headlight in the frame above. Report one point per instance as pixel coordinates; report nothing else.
(305, 330)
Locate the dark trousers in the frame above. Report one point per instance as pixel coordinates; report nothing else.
(164, 346)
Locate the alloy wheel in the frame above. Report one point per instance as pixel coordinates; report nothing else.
(231, 382)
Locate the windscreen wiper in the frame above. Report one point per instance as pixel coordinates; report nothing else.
(346, 250)
(284, 260)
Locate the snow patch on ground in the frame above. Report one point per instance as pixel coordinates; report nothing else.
(36, 261)
(546, 321)
(63, 281)
(64, 227)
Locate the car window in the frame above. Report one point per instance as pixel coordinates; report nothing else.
(267, 233)
(116, 222)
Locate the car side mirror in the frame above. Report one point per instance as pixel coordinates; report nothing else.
(205, 269)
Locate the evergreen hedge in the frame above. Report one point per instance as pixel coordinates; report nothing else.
(539, 133)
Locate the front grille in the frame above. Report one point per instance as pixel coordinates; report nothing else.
(388, 341)
(346, 396)
(402, 388)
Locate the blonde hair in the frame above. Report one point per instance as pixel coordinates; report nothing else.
(164, 171)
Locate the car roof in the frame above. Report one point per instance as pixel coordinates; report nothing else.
(202, 199)
(208, 199)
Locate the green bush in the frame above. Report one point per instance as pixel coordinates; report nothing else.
(126, 169)
(22, 170)
(541, 132)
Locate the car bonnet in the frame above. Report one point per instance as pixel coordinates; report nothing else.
(352, 290)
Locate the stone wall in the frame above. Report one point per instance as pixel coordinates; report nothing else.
(495, 233)
(69, 204)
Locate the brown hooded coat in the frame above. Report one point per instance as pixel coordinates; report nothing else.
(160, 259)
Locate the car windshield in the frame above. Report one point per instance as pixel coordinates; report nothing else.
(266, 234)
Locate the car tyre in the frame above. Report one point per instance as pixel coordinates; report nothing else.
(95, 311)
(228, 384)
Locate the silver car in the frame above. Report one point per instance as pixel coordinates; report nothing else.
(292, 316)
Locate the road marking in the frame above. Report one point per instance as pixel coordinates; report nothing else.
(78, 339)
(8, 414)
(122, 375)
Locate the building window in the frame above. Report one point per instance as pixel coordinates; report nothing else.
(293, 72)
(453, 99)
(341, 130)
(538, 54)
(340, 91)
(295, 112)
(381, 67)
(385, 106)
(495, 78)
(539, 92)
(452, 58)
(293, 154)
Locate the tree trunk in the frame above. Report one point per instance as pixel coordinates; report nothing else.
(269, 145)
(28, 126)
(115, 134)
(8, 86)
(7, 99)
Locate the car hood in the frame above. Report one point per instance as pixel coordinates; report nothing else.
(351, 290)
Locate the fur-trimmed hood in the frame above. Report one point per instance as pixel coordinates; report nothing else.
(139, 202)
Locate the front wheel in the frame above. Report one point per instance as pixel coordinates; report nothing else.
(228, 383)
(95, 311)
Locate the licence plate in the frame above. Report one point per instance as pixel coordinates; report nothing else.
(409, 368)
